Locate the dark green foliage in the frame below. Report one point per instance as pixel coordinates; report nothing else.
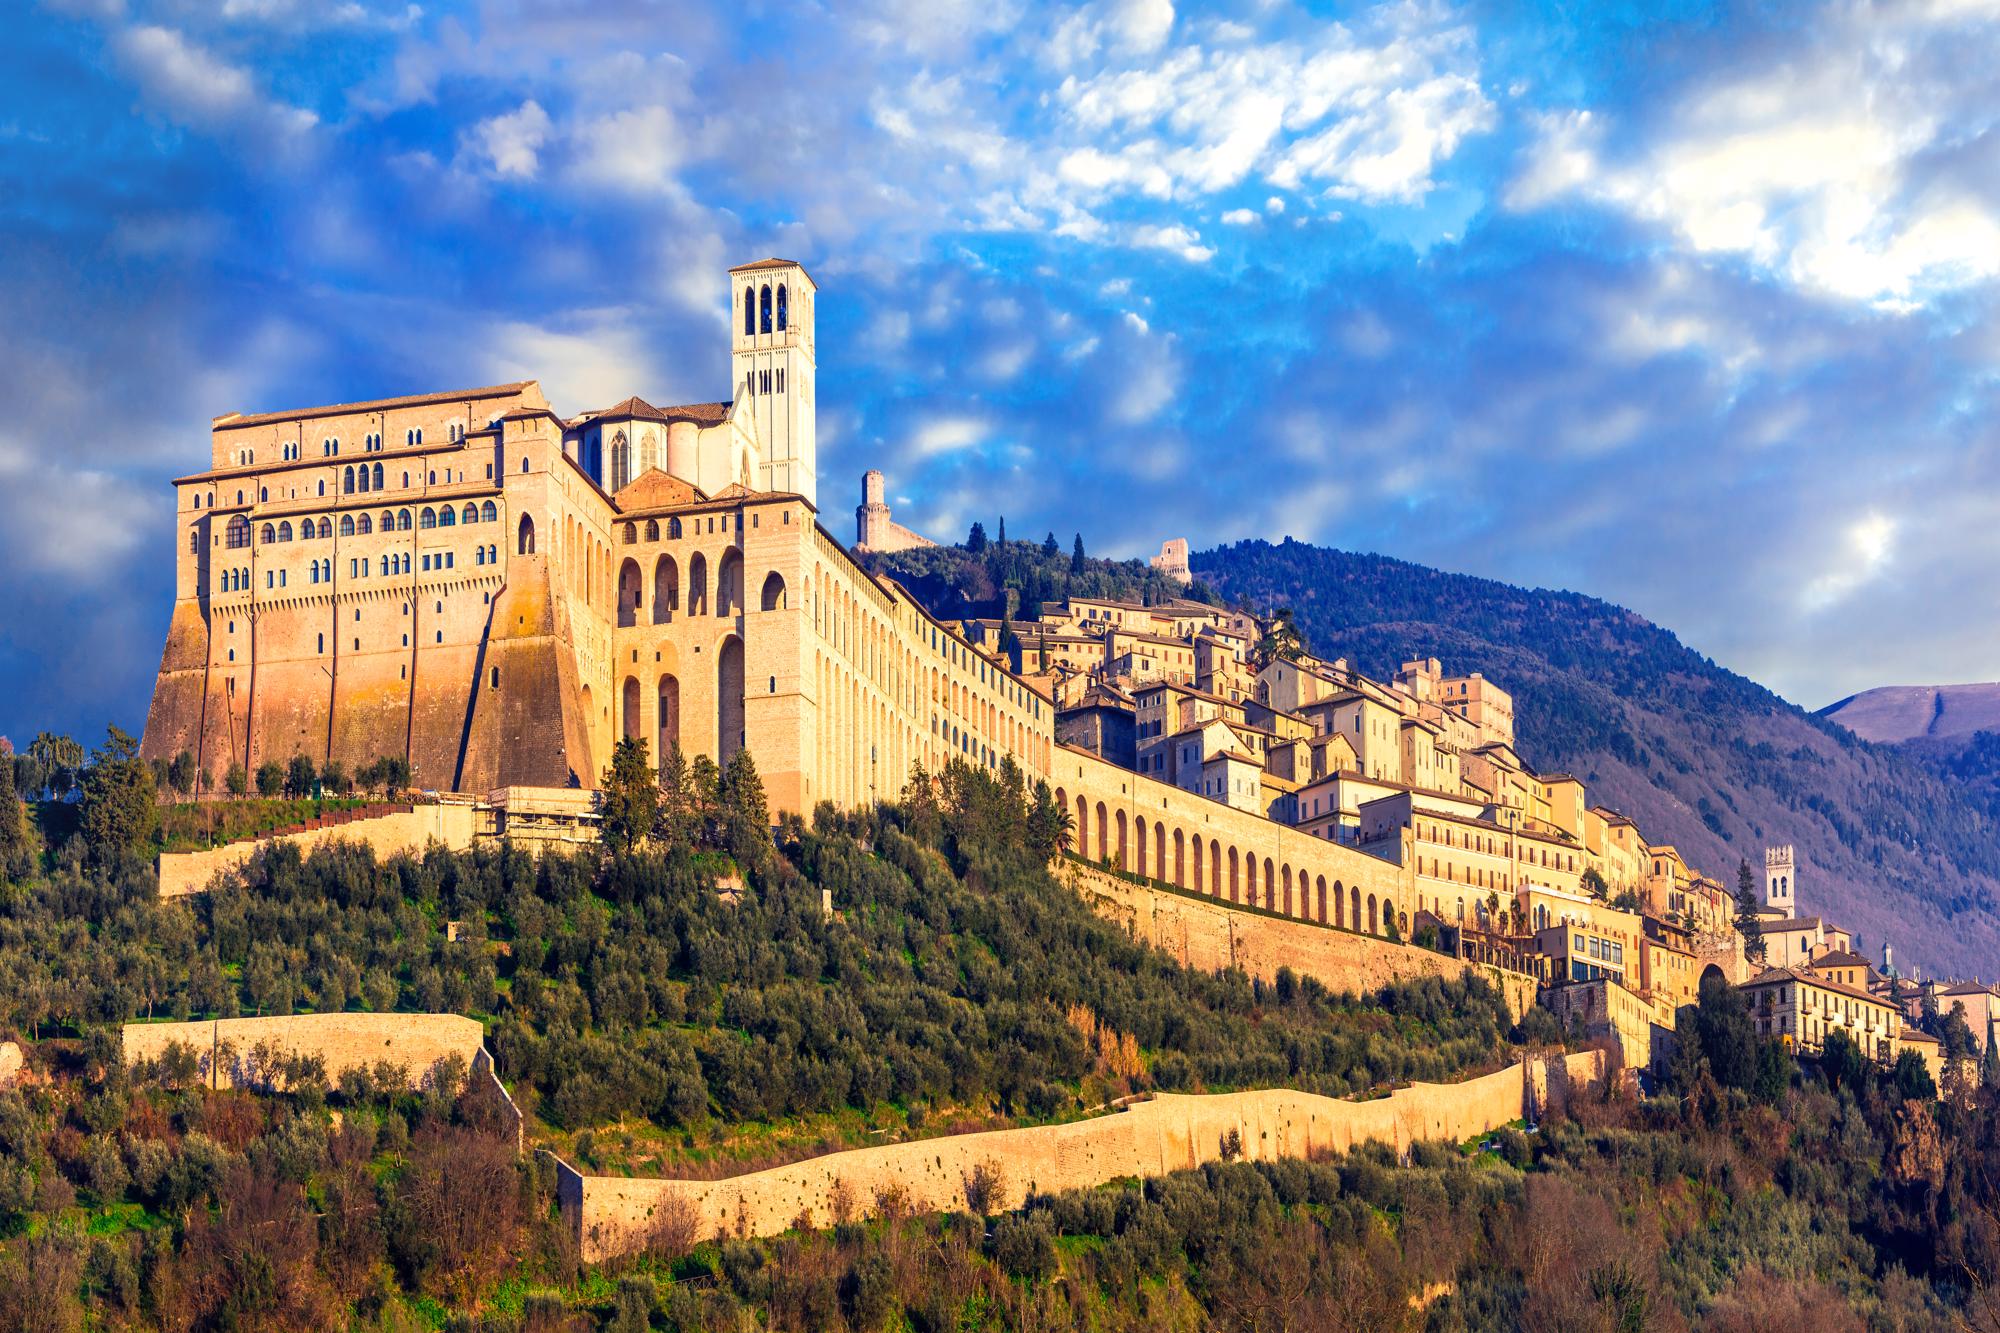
(1717, 1042)
(119, 817)
(628, 798)
(1747, 923)
(270, 778)
(300, 777)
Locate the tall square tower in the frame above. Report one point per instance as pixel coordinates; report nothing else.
(773, 367)
(1780, 881)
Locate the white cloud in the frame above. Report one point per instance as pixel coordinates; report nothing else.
(202, 91)
(1240, 217)
(947, 434)
(599, 361)
(1833, 165)
(511, 144)
(1868, 545)
(1175, 239)
(637, 150)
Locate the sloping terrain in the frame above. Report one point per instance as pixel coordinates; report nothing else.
(1892, 713)
(1888, 844)
(1701, 757)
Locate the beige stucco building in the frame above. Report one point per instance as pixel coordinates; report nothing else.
(498, 593)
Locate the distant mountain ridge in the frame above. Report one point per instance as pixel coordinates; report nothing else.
(1701, 757)
(1895, 713)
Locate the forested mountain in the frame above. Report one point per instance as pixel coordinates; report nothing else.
(1701, 757)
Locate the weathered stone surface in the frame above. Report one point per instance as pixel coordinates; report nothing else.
(613, 1215)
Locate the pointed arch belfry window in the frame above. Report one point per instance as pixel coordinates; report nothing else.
(749, 309)
(782, 312)
(764, 308)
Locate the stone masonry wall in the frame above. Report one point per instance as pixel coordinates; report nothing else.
(342, 1041)
(182, 873)
(613, 1215)
(1209, 934)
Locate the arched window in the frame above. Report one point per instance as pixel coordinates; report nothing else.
(428, 518)
(364, 525)
(378, 476)
(621, 462)
(527, 536)
(406, 481)
(652, 529)
(749, 310)
(403, 521)
(781, 307)
(347, 525)
(347, 481)
(674, 529)
(270, 534)
(774, 591)
(764, 309)
(488, 512)
(285, 531)
(361, 476)
(630, 534)
(447, 517)
(471, 514)
(326, 527)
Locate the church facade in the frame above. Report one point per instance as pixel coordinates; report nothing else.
(498, 593)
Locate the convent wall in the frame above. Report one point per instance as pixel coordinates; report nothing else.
(408, 830)
(612, 1215)
(415, 1042)
(1142, 825)
(1210, 936)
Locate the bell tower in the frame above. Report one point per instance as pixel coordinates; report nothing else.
(773, 369)
(1780, 881)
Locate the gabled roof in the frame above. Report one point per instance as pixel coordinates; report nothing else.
(638, 409)
(654, 489)
(234, 419)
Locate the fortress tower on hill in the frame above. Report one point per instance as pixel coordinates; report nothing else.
(498, 592)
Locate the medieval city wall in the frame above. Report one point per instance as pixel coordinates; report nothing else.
(416, 1042)
(1211, 935)
(612, 1215)
(410, 830)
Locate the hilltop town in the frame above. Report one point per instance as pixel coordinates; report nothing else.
(475, 586)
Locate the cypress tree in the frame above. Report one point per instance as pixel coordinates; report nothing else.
(1746, 913)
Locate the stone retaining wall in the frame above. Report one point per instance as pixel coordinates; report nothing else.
(1210, 935)
(612, 1215)
(410, 829)
(343, 1041)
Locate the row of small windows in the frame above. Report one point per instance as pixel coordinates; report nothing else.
(237, 534)
(757, 309)
(765, 378)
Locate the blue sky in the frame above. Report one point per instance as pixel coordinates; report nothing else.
(1687, 306)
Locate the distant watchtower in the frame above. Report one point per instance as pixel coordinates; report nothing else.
(1780, 880)
(774, 361)
(871, 518)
